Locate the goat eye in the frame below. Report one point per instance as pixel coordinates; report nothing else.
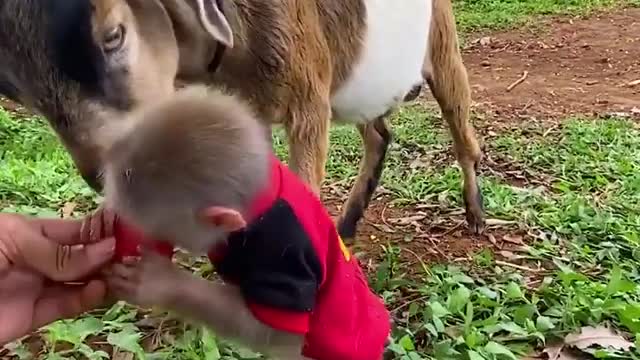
(113, 39)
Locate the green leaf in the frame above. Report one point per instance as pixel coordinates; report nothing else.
(513, 328)
(630, 317)
(444, 350)
(544, 323)
(406, 343)
(469, 315)
(488, 292)
(209, 345)
(474, 355)
(462, 279)
(437, 310)
(90, 354)
(439, 325)
(617, 283)
(473, 338)
(523, 313)
(514, 291)
(431, 328)
(127, 340)
(73, 331)
(494, 348)
(19, 350)
(458, 299)
(87, 326)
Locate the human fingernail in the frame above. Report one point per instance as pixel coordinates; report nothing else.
(107, 246)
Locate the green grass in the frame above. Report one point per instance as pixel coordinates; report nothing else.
(585, 214)
(473, 15)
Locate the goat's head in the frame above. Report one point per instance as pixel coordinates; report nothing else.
(81, 63)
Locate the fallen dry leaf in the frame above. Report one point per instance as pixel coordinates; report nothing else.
(601, 336)
(117, 355)
(492, 239)
(67, 209)
(509, 255)
(495, 222)
(406, 220)
(485, 41)
(514, 239)
(558, 352)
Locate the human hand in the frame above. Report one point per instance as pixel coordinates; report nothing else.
(38, 257)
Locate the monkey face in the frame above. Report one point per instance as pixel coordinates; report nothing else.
(163, 219)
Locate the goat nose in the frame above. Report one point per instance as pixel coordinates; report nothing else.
(92, 178)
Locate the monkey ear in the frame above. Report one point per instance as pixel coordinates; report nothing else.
(215, 22)
(228, 219)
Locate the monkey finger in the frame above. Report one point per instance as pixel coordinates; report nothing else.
(131, 260)
(121, 289)
(124, 272)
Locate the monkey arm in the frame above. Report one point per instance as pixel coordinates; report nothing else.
(223, 308)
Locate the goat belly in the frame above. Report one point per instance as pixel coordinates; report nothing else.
(393, 55)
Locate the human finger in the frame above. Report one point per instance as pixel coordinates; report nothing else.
(15, 314)
(97, 225)
(66, 301)
(62, 262)
(63, 231)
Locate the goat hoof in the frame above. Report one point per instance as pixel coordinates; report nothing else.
(347, 230)
(348, 241)
(475, 211)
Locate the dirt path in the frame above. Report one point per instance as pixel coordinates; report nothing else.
(584, 66)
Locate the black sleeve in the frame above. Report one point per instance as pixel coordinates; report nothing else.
(274, 261)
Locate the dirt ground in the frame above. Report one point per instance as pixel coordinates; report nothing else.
(588, 66)
(574, 66)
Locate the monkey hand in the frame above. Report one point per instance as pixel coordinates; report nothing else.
(147, 281)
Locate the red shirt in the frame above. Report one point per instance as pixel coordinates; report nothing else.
(297, 276)
(295, 273)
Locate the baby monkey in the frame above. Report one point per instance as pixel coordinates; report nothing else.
(196, 170)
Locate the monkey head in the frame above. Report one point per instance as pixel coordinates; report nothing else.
(187, 168)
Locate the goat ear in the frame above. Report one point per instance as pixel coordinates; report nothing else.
(215, 22)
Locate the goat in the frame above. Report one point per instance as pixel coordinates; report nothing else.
(299, 63)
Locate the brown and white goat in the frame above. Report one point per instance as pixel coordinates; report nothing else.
(300, 63)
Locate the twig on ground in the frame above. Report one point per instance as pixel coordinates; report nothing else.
(552, 128)
(384, 218)
(409, 302)
(436, 247)
(515, 266)
(450, 230)
(519, 81)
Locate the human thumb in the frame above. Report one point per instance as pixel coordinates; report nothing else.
(61, 262)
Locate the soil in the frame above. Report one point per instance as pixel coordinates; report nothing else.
(574, 66)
